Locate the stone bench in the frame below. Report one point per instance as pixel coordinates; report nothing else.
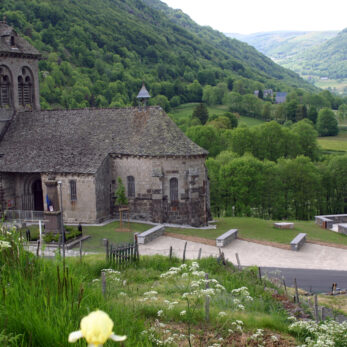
(342, 228)
(226, 238)
(298, 241)
(150, 234)
(284, 225)
(327, 221)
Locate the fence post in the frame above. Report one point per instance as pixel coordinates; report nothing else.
(297, 300)
(259, 272)
(38, 248)
(285, 287)
(103, 283)
(207, 301)
(106, 249)
(199, 255)
(238, 261)
(184, 253)
(80, 251)
(316, 314)
(170, 252)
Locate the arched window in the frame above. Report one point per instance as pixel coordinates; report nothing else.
(73, 190)
(173, 189)
(131, 186)
(25, 88)
(4, 90)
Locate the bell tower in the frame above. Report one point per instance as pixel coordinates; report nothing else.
(19, 83)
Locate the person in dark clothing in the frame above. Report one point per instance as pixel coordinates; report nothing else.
(27, 233)
(79, 228)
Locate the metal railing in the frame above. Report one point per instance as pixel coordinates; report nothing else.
(22, 215)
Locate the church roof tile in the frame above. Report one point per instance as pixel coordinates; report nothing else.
(78, 141)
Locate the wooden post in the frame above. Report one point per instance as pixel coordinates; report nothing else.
(259, 271)
(323, 313)
(199, 255)
(316, 314)
(170, 252)
(238, 261)
(285, 287)
(207, 302)
(184, 253)
(107, 250)
(80, 251)
(40, 230)
(103, 283)
(297, 299)
(38, 248)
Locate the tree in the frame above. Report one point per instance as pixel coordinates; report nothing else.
(326, 123)
(201, 112)
(121, 199)
(342, 112)
(312, 114)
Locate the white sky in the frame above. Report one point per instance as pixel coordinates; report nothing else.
(250, 16)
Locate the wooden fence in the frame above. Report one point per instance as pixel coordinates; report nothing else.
(122, 254)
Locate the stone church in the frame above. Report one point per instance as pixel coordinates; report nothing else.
(78, 155)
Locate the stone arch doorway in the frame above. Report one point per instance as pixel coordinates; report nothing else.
(36, 189)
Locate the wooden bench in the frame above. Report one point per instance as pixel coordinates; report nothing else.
(298, 241)
(226, 238)
(150, 234)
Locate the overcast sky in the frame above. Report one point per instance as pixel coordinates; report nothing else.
(250, 16)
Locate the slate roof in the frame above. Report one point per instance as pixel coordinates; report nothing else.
(143, 93)
(21, 46)
(77, 141)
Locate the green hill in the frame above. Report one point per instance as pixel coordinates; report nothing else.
(320, 56)
(99, 52)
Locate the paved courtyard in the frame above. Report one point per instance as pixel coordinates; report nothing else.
(310, 256)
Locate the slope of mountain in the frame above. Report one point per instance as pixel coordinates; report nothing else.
(279, 44)
(99, 52)
(320, 56)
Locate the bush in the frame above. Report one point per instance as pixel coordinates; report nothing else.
(326, 123)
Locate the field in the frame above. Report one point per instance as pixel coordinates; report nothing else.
(339, 85)
(334, 143)
(263, 230)
(185, 111)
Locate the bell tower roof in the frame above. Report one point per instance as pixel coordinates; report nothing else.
(143, 93)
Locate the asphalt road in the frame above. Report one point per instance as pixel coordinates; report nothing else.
(317, 281)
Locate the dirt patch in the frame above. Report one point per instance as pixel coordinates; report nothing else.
(191, 238)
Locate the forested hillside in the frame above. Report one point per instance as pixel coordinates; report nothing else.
(315, 55)
(98, 53)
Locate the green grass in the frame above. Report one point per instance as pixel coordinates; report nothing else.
(45, 304)
(98, 233)
(260, 229)
(334, 143)
(339, 85)
(185, 111)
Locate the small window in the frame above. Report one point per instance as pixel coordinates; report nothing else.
(4, 91)
(173, 189)
(73, 190)
(131, 186)
(12, 41)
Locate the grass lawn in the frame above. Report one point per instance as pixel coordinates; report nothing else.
(334, 143)
(98, 233)
(185, 111)
(259, 229)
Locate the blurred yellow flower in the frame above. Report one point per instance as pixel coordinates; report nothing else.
(96, 328)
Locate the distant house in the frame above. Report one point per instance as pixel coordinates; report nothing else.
(256, 93)
(268, 93)
(281, 97)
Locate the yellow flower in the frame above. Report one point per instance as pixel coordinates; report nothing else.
(96, 328)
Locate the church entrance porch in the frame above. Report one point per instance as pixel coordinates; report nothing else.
(37, 195)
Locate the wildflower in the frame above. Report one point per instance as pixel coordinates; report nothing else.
(160, 312)
(222, 314)
(183, 313)
(96, 328)
(4, 244)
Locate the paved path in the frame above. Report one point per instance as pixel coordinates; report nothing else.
(310, 256)
(317, 281)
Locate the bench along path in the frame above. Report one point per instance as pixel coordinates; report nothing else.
(310, 257)
(298, 241)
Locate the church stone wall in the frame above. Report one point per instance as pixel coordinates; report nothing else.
(103, 190)
(15, 65)
(152, 188)
(84, 208)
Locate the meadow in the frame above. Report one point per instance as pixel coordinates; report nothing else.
(334, 143)
(185, 111)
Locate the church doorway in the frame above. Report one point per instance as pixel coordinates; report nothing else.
(37, 194)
